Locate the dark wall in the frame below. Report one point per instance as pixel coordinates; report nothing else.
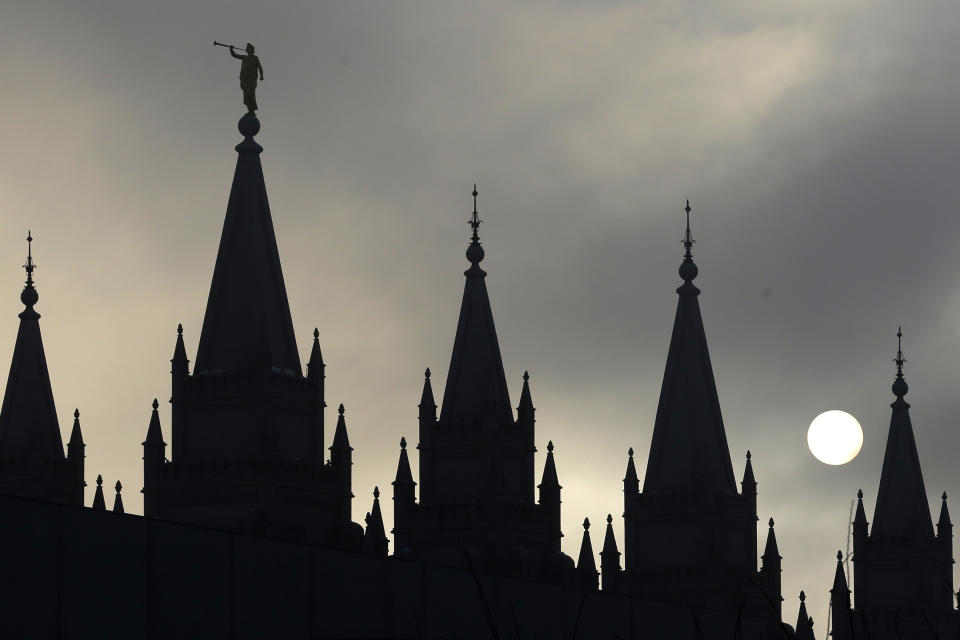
(71, 572)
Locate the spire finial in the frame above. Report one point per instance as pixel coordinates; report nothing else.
(426, 374)
(630, 452)
(586, 524)
(340, 409)
(900, 387)
(76, 414)
(688, 270)
(475, 251)
(156, 404)
(376, 493)
(839, 556)
(770, 523)
(99, 480)
(748, 455)
(118, 486)
(180, 329)
(944, 496)
(403, 442)
(860, 494)
(609, 518)
(316, 334)
(29, 296)
(526, 376)
(803, 596)
(550, 446)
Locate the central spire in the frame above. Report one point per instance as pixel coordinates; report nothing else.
(476, 385)
(902, 508)
(689, 448)
(248, 316)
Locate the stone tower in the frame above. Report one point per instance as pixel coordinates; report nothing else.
(477, 461)
(247, 425)
(32, 463)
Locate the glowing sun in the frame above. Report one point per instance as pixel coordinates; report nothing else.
(835, 437)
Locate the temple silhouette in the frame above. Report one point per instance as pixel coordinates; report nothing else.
(247, 528)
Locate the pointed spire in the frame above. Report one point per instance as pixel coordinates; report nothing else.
(902, 509)
(315, 366)
(180, 365)
(771, 551)
(631, 484)
(98, 502)
(247, 290)
(860, 519)
(804, 629)
(526, 410)
(428, 408)
(375, 537)
(76, 445)
(28, 418)
(476, 387)
(341, 443)
(118, 501)
(587, 574)
(839, 578)
(689, 448)
(943, 524)
(404, 477)
(749, 483)
(154, 432)
(840, 602)
(549, 477)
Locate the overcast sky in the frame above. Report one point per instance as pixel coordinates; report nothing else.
(817, 141)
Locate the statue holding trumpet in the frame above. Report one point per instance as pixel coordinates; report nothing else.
(249, 69)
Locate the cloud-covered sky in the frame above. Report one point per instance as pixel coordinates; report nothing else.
(817, 141)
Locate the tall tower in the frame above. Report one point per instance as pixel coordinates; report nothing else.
(476, 460)
(690, 536)
(901, 568)
(247, 425)
(32, 463)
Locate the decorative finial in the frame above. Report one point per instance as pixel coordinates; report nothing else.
(475, 251)
(180, 329)
(860, 494)
(340, 409)
(770, 523)
(944, 496)
(76, 414)
(803, 596)
(426, 374)
(29, 296)
(99, 480)
(403, 442)
(839, 556)
(688, 270)
(900, 387)
(526, 376)
(748, 455)
(586, 524)
(316, 334)
(609, 518)
(550, 446)
(376, 493)
(118, 486)
(630, 452)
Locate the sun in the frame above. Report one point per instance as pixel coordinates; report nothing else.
(835, 437)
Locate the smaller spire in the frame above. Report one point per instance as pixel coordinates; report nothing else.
(860, 519)
(404, 477)
(943, 524)
(526, 410)
(154, 433)
(180, 363)
(630, 481)
(609, 541)
(341, 443)
(749, 483)
(804, 629)
(315, 366)
(587, 573)
(375, 537)
(771, 552)
(427, 406)
(839, 579)
(99, 503)
(75, 446)
(549, 478)
(118, 501)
